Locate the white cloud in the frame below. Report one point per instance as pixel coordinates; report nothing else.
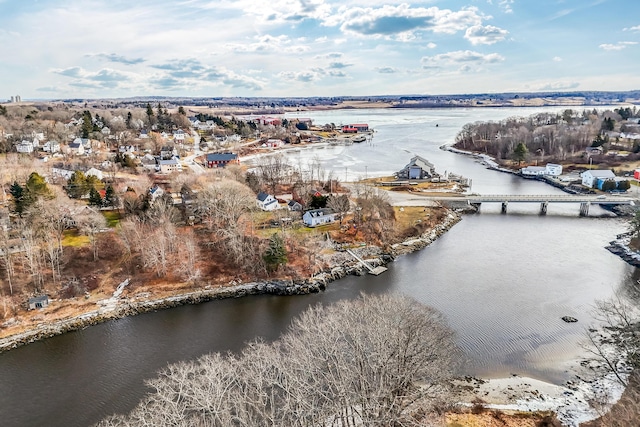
(460, 57)
(283, 11)
(557, 59)
(403, 22)
(635, 29)
(506, 5)
(558, 86)
(301, 76)
(489, 34)
(617, 46)
(386, 70)
(112, 57)
(431, 45)
(268, 43)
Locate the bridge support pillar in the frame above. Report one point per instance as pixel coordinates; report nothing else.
(584, 209)
(543, 208)
(504, 207)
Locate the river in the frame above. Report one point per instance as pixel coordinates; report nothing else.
(502, 281)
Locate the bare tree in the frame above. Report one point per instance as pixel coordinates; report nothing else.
(272, 171)
(374, 361)
(340, 205)
(91, 222)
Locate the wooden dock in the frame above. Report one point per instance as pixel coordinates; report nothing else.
(372, 270)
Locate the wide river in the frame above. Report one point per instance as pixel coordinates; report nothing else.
(502, 281)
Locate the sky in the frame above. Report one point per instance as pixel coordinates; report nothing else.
(53, 49)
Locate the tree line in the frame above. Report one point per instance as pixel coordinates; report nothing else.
(547, 136)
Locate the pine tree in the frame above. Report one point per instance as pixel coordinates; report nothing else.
(87, 124)
(94, 198)
(77, 185)
(276, 254)
(17, 193)
(110, 197)
(181, 111)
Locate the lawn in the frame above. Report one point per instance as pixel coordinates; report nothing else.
(112, 217)
(72, 239)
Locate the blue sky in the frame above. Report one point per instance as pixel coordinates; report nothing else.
(116, 48)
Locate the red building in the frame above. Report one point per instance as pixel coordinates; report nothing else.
(349, 129)
(220, 160)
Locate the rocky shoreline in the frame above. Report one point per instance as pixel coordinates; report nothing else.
(620, 247)
(317, 283)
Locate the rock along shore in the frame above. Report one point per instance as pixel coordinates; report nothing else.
(317, 283)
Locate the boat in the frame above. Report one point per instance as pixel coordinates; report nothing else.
(359, 138)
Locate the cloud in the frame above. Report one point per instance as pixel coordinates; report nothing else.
(635, 29)
(557, 59)
(617, 46)
(386, 70)
(48, 89)
(336, 73)
(268, 43)
(193, 73)
(339, 65)
(506, 5)
(284, 11)
(330, 55)
(301, 76)
(554, 86)
(403, 22)
(431, 45)
(460, 57)
(69, 72)
(489, 34)
(112, 57)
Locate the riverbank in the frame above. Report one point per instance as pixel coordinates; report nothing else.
(121, 306)
(517, 394)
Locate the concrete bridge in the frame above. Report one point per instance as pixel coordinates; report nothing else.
(544, 199)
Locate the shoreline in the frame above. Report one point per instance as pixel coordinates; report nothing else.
(129, 307)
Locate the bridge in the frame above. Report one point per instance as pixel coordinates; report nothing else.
(544, 199)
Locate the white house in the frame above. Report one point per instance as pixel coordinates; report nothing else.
(94, 172)
(550, 169)
(76, 147)
(266, 202)
(317, 217)
(24, 147)
(169, 166)
(179, 135)
(51, 147)
(591, 177)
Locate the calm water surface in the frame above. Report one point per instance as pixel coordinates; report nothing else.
(502, 281)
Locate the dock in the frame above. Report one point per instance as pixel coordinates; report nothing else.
(372, 270)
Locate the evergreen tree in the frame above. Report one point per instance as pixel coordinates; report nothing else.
(18, 195)
(276, 253)
(94, 198)
(87, 124)
(37, 187)
(128, 121)
(150, 113)
(110, 197)
(181, 111)
(520, 153)
(77, 185)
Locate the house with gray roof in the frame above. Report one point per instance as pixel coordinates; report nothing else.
(316, 217)
(417, 168)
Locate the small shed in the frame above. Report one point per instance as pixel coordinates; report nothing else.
(41, 301)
